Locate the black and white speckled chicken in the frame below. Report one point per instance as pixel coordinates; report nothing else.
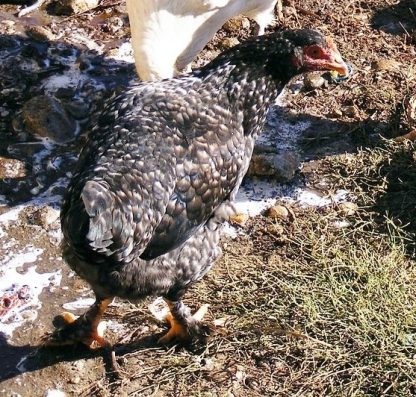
(160, 170)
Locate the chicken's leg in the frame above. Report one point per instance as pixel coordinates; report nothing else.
(185, 328)
(84, 329)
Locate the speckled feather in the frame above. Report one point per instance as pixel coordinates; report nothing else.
(162, 165)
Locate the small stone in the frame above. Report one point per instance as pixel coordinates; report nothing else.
(75, 380)
(312, 81)
(45, 217)
(282, 166)
(229, 42)
(40, 33)
(389, 65)
(67, 7)
(348, 208)
(44, 116)
(238, 219)
(278, 212)
(334, 114)
(233, 24)
(350, 111)
(11, 168)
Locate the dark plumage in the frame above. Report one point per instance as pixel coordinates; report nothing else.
(161, 168)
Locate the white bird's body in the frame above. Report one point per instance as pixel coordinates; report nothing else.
(168, 34)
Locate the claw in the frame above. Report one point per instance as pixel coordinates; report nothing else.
(184, 333)
(70, 331)
(201, 312)
(87, 329)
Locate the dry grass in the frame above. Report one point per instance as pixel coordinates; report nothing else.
(306, 307)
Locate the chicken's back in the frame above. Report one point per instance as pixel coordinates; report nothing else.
(160, 161)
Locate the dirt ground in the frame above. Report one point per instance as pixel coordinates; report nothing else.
(315, 302)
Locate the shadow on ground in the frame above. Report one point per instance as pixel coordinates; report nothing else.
(397, 19)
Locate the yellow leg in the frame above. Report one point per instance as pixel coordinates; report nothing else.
(183, 325)
(85, 329)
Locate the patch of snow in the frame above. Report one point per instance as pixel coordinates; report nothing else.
(81, 303)
(11, 215)
(11, 281)
(310, 198)
(123, 53)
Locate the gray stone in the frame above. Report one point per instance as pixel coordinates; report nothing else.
(312, 81)
(67, 7)
(278, 212)
(11, 168)
(282, 166)
(45, 117)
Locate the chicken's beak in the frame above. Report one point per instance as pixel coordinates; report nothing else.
(335, 61)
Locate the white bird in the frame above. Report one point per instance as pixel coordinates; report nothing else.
(168, 34)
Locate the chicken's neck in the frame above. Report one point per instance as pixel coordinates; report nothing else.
(250, 92)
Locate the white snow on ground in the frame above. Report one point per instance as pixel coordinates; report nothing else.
(81, 303)
(123, 53)
(11, 280)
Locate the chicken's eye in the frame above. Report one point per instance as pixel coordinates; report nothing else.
(314, 51)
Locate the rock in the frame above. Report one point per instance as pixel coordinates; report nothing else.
(45, 217)
(278, 212)
(312, 81)
(282, 166)
(334, 114)
(238, 219)
(348, 208)
(229, 42)
(67, 7)
(44, 116)
(389, 65)
(233, 24)
(350, 111)
(11, 168)
(40, 33)
(75, 380)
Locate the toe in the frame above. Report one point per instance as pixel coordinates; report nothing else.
(63, 319)
(200, 313)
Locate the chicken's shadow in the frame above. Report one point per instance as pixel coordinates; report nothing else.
(17, 360)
